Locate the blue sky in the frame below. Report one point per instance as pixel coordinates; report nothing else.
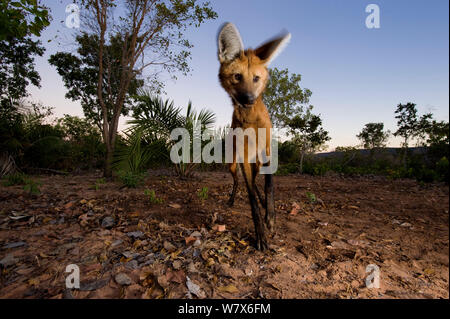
(357, 75)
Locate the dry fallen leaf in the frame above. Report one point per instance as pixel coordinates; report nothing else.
(229, 288)
(295, 209)
(220, 228)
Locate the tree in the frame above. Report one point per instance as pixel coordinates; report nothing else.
(17, 70)
(19, 19)
(80, 74)
(373, 136)
(153, 36)
(308, 133)
(284, 97)
(409, 125)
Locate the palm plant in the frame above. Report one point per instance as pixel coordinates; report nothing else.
(149, 135)
(202, 121)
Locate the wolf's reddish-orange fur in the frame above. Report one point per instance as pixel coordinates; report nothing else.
(244, 76)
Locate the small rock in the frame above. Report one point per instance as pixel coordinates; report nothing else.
(339, 245)
(116, 243)
(176, 206)
(197, 243)
(177, 264)
(132, 264)
(93, 285)
(123, 279)
(196, 253)
(191, 268)
(194, 288)
(314, 266)
(405, 225)
(108, 222)
(129, 254)
(196, 234)
(15, 245)
(135, 234)
(169, 246)
(8, 260)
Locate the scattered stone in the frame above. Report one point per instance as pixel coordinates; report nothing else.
(15, 245)
(123, 279)
(314, 266)
(323, 223)
(191, 268)
(8, 260)
(196, 234)
(93, 285)
(338, 245)
(405, 224)
(194, 289)
(108, 222)
(176, 206)
(135, 234)
(129, 254)
(356, 242)
(169, 246)
(177, 264)
(197, 243)
(132, 264)
(196, 253)
(116, 243)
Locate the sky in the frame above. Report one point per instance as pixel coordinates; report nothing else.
(357, 75)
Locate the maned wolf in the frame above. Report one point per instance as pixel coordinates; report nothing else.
(244, 76)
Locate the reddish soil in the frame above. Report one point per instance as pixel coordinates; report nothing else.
(319, 250)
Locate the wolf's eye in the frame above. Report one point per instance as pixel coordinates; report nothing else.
(255, 78)
(238, 76)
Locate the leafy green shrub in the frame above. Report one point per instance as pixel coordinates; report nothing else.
(32, 187)
(203, 193)
(131, 179)
(311, 197)
(285, 169)
(15, 179)
(152, 197)
(97, 184)
(442, 167)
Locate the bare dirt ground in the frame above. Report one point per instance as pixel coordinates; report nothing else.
(191, 246)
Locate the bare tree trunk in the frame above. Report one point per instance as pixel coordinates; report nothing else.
(302, 155)
(107, 170)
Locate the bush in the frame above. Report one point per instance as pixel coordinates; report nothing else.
(32, 187)
(289, 168)
(15, 179)
(131, 179)
(442, 167)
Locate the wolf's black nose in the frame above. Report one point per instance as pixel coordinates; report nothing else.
(246, 98)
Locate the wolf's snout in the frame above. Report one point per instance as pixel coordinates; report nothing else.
(246, 98)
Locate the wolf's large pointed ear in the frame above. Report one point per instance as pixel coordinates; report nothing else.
(229, 42)
(269, 50)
